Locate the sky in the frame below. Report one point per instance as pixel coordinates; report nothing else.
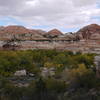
(65, 15)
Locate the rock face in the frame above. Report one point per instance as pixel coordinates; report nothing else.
(19, 30)
(89, 31)
(14, 30)
(54, 33)
(1, 28)
(86, 40)
(38, 32)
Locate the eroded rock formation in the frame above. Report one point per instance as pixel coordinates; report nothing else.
(85, 40)
(89, 31)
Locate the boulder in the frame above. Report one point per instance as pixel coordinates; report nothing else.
(20, 73)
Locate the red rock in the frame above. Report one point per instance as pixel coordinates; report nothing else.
(87, 31)
(55, 32)
(18, 30)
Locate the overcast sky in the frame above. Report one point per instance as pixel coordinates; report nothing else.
(66, 15)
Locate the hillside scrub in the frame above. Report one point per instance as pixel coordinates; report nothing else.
(73, 75)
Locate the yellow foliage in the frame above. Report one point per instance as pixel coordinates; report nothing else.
(50, 64)
(78, 72)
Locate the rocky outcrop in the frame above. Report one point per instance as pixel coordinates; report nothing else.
(20, 73)
(53, 33)
(1, 28)
(14, 30)
(89, 31)
(38, 32)
(86, 40)
(19, 30)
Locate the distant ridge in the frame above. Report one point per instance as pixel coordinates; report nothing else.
(55, 32)
(89, 30)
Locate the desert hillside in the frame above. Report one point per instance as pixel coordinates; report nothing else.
(87, 39)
